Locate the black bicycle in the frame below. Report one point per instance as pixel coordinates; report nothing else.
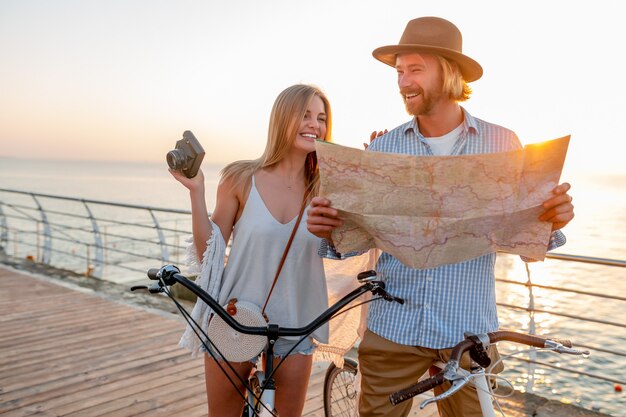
(260, 386)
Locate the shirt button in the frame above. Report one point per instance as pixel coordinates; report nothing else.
(429, 278)
(426, 305)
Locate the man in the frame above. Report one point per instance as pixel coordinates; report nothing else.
(403, 341)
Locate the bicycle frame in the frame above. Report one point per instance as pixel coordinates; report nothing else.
(265, 397)
(458, 377)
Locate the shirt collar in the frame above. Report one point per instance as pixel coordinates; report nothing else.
(469, 124)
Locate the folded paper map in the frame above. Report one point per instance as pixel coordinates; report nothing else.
(435, 210)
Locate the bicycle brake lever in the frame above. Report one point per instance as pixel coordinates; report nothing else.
(559, 348)
(458, 383)
(385, 295)
(155, 288)
(396, 299)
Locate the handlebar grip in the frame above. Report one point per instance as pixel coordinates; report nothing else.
(527, 339)
(413, 390)
(366, 274)
(152, 273)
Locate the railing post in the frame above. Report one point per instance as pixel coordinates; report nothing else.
(105, 244)
(4, 230)
(99, 257)
(176, 241)
(532, 354)
(164, 252)
(38, 242)
(47, 235)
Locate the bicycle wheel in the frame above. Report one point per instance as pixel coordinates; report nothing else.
(340, 393)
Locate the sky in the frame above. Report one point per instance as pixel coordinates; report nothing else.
(122, 79)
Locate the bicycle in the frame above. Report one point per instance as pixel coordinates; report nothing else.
(260, 386)
(340, 391)
(341, 400)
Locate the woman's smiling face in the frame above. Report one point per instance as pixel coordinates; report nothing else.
(312, 126)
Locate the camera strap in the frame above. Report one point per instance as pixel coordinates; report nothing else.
(282, 260)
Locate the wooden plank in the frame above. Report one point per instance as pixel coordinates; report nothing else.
(65, 351)
(156, 391)
(66, 358)
(104, 388)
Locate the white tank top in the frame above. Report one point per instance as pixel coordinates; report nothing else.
(259, 241)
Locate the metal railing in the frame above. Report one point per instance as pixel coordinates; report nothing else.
(532, 310)
(96, 238)
(100, 239)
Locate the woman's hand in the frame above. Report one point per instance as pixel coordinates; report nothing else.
(192, 184)
(322, 218)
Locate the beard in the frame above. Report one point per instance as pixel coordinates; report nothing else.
(423, 106)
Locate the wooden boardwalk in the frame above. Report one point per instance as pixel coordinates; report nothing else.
(66, 351)
(69, 353)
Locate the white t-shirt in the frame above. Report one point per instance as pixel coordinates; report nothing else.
(442, 145)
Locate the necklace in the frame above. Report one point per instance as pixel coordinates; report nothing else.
(287, 179)
(289, 183)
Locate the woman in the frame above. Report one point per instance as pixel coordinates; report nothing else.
(259, 202)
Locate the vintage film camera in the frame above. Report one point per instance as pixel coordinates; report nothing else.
(187, 156)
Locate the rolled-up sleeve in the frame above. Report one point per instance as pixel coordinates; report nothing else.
(328, 251)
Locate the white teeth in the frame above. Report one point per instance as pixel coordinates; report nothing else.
(309, 135)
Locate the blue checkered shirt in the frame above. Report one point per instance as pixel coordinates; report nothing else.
(444, 302)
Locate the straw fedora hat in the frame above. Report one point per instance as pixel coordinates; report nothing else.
(432, 35)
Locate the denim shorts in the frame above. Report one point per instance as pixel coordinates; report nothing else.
(281, 347)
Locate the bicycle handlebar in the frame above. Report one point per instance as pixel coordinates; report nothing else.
(449, 373)
(169, 275)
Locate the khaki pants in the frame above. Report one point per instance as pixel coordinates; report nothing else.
(387, 367)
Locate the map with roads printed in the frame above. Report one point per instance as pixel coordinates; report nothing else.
(429, 211)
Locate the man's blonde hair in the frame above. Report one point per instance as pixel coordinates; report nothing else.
(453, 83)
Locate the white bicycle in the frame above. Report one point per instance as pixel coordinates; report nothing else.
(340, 392)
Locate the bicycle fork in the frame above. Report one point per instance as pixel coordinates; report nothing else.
(262, 392)
(262, 406)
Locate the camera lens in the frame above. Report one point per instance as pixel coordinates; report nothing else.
(176, 159)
